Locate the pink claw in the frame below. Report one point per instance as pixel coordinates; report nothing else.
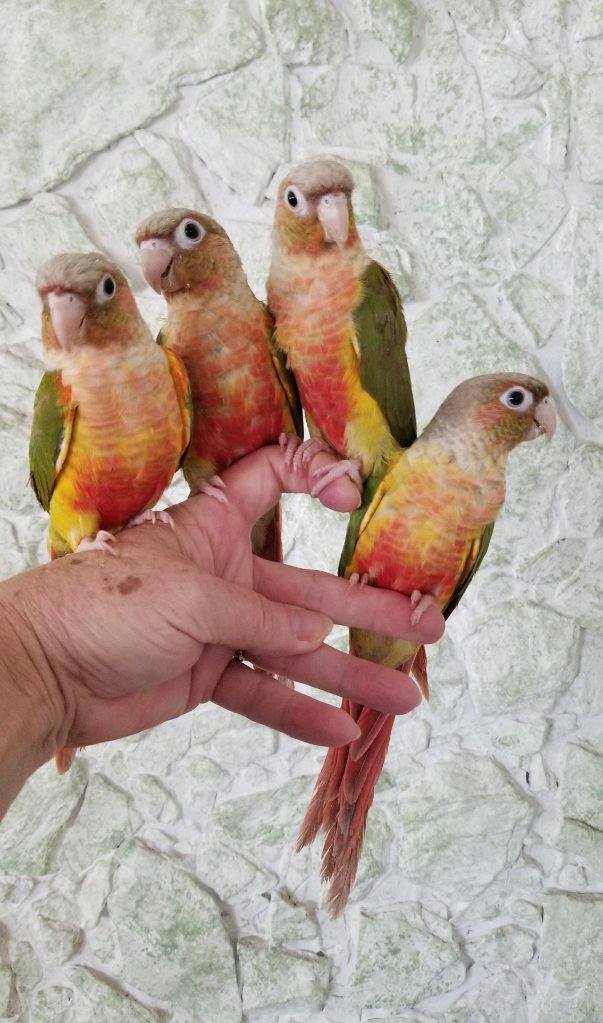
(214, 487)
(419, 603)
(289, 443)
(329, 473)
(103, 541)
(356, 579)
(153, 517)
(306, 451)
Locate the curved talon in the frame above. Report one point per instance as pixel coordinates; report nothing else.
(356, 579)
(214, 487)
(420, 602)
(329, 473)
(153, 517)
(289, 443)
(103, 541)
(306, 451)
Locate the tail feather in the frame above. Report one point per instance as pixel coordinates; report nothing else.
(344, 793)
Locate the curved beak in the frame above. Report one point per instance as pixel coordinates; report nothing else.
(545, 418)
(333, 213)
(67, 314)
(157, 255)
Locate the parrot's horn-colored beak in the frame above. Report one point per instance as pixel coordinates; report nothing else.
(545, 417)
(156, 255)
(333, 214)
(67, 313)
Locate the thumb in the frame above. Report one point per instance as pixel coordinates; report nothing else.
(242, 619)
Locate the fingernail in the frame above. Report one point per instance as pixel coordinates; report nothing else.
(310, 627)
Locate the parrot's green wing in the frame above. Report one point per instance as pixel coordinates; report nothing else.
(287, 381)
(381, 349)
(359, 518)
(54, 415)
(474, 560)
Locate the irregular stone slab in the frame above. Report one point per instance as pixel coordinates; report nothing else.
(568, 577)
(34, 822)
(581, 365)
(82, 96)
(392, 22)
(171, 936)
(557, 94)
(273, 981)
(365, 109)
(580, 492)
(504, 72)
(588, 118)
(45, 227)
(479, 17)
(307, 31)
(457, 825)
(101, 826)
(569, 956)
(238, 125)
(404, 956)
(539, 304)
(524, 656)
(529, 205)
(500, 998)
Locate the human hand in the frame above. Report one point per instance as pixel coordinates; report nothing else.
(119, 644)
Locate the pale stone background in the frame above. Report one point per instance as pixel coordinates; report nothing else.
(157, 881)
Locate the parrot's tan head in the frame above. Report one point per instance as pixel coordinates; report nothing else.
(86, 300)
(314, 208)
(185, 251)
(499, 410)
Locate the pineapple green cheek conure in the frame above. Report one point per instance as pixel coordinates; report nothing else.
(423, 534)
(112, 414)
(340, 324)
(243, 395)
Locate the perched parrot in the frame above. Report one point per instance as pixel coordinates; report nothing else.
(422, 535)
(340, 324)
(112, 414)
(243, 395)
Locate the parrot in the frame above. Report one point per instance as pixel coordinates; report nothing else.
(112, 413)
(422, 535)
(243, 395)
(340, 324)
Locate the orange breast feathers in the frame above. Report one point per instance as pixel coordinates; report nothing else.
(238, 399)
(313, 306)
(127, 438)
(427, 515)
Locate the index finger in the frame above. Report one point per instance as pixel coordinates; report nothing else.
(255, 484)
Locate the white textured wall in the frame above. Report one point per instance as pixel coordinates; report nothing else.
(157, 881)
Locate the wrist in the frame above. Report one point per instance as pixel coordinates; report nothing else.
(33, 711)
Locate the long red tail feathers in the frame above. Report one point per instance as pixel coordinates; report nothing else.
(344, 793)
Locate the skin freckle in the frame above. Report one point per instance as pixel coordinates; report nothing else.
(129, 584)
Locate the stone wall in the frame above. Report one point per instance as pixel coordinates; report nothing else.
(157, 880)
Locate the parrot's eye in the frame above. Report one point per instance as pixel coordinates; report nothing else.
(295, 200)
(105, 289)
(517, 398)
(188, 234)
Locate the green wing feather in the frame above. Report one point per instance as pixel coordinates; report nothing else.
(381, 338)
(51, 432)
(476, 556)
(288, 384)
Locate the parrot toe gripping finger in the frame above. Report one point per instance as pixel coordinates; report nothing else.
(306, 451)
(214, 487)
(357, 579)
(419, 603)
(153, 517)
(103, 541)
(289, 444)
(329, 473)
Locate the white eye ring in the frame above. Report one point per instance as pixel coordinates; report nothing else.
(295, 201)
(189, 233)
(105, 289)
(517, 398)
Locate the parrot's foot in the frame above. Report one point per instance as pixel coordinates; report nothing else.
(304, 453)
(419, 603)
(356, 579)
(289, 443)
(329, 473)
(153, 517)
(213, 487)
(103, 541)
